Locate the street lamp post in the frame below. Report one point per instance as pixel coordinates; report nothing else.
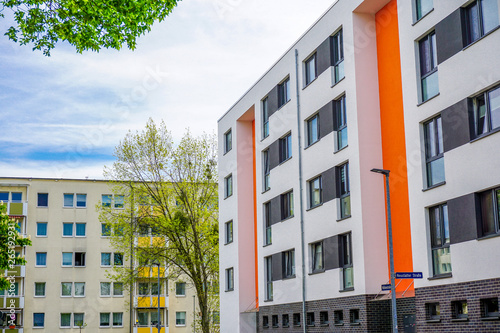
(391, 251)
(158, 325)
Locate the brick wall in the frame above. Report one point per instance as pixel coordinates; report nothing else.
(472, 292)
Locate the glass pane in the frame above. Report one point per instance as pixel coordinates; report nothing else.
(430, 86)
(106, 200)
(105, 229)
(81, 200)
(4, 196)
(67, 229)
(441, 261)
(446, 227)
(119, 201)
(487, 213)
(104, 319)
(66, 288)
(439, 129)
(425, 56)
(67, 258)
(473, 23)
(105, 259)
(310, 69)
(313, 130)
(80, 229)
(65, 319)
(345, 206)
(436, 232)
(490, 15)
(40, 289)
(41, 259)
(435, 172)
(17, 197)
(117, 289)
(78, 319)
(423, 7)
(106, 288)
(41, 229)
(430, 139)
(494, 101)
(143, 289)
(43, 200)
(68, 200)
(342, 138)
(118, 319)
(268, 235)
(339, 71)
(480, 116)
(38, 319)
(142, 317)
(79, 288)
(118, 259)
(348, 277)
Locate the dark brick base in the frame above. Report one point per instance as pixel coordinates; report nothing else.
(472, 292)
(374, 316)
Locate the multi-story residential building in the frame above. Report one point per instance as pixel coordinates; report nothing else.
(66, 283)
(408, 86)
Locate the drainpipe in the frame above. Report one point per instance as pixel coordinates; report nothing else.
(302, 243)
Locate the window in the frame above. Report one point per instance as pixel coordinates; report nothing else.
(267, 223)
(459, 310)
(323, 318)
(338, 56)
(487, 112)
(119, 201)
(105, 229)
(310, 69)
(265, 321)
(118, 319)
(17, 196)
(69, 200)
(344, 190)
(65, 319)
(180, 289)
(354, 316)
(489, 308)
(296, 319)
(106, 200)
(423, 7)
(105, 259)
(312, 130)
(285, 319)
(42, 200)
(180, 319)
(286, 205)
(265, 117)
(346, 261)
(39, 289)
(428, 66)
(41, 259)
(434, 151)
(66, 289)
(341, 123)
(67, 229)
(267, 169)
(338, 317)
(78, 319)
(440, 240)
(79, 259)
(41, 229)
(285, 144)
(317, 257)
(79, 289)
(216, 317)
(228, 227)
(275, 320)
(229, 279)
(315, 192)
(283, 92)
(38, 319)
(106, 289)
(142, 318)
(118, 259)
(80, 229)
(228, 186)
(481, 17)
(433, 311)
(490, 203)
(67, 258)
(268, 262)
(228, 141)
(310, 319)
(288, 258)
(117, 289)
(104, 319)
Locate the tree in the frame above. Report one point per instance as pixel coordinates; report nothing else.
(10, 238)
(85, 24)
(170, 191)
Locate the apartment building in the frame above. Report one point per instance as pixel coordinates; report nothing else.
(65, 285)
(407, 86)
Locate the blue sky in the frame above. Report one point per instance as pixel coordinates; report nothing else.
(62, 116)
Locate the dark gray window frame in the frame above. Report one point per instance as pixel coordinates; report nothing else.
(427, 72)
(436, 145)
(268, 270)
(286, 205)
(230, 279)
(288, 263)
(266, 165)
(267, 223)
(344, 189)
(485, 97)
(308, 78)
(419, 14)
(265, 117)
(438, 229)
(340, 118)
(228, 230)
(468, 38)
(228, 141)
(285, 147)
(314, 257)
(284, 92)
(495, 194)
(311, 188)
(345, 258)
(337, 44)
(228, 186)
(309, 123)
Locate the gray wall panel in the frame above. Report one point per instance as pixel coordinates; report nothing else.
(331, 252)
(274, 154)
(275, 210)
(456, 126)
(326, 120)
(272, 102)
(462, 218)
(329, 186)
(449, 36)
(277, 273)
(323, 57)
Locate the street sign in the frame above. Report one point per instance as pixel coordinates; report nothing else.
(409, 275)
(386, 287)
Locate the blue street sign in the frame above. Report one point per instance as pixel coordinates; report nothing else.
(386, 287)
(409, 275)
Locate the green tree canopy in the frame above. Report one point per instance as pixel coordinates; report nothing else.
(85, 24)
(170, 211)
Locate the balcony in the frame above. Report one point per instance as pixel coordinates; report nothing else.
(6, 301)
(17, 271)
(17, 208)
(150, 302)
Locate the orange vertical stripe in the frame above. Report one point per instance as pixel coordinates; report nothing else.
(393, 135)
(255, 217)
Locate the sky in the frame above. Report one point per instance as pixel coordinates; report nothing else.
(61, 116)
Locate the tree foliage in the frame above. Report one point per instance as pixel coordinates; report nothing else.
(85, 24)
(171, 195)
(9, 239)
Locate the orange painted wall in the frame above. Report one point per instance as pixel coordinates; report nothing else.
(255, 217)
(393, 135)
